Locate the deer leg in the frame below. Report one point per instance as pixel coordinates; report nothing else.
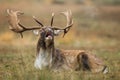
(83, 62)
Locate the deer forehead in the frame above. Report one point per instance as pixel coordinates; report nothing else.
(48, 29)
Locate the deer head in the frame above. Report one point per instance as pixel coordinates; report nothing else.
(46, 32)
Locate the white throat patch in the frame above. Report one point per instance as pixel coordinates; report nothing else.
(43, 59)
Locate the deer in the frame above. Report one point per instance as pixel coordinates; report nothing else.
(50, 57)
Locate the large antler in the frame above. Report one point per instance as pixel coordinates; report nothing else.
(15, 22)
(69, 24)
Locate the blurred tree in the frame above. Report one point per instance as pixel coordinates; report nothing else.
(107, 2)
(59, 1)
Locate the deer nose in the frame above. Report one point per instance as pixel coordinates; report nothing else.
(49, 37)
(48, 33)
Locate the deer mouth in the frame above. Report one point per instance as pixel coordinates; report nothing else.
(48, 36)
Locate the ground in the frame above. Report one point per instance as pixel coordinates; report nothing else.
(95, 29)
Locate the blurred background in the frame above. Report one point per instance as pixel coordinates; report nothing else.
(96, 28)
(96, 22)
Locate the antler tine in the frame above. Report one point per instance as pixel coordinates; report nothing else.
(14, 22)
(52, 19)
(38, 21)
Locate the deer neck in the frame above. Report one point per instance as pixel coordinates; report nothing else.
(44, 55)
(42, 45)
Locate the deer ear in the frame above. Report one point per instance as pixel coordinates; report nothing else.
(57, 32)
(36, 32)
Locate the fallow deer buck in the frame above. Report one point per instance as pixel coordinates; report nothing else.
(50, 57)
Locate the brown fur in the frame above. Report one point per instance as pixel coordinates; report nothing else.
(77, 60)
(69, 59)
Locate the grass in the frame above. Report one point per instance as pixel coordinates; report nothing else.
(20, 68)
(99, 34)
(16, 63)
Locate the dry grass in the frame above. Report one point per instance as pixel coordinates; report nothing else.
(98, 33)
(16, 62)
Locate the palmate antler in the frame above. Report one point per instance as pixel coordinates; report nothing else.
(69, 24)
(15, 22)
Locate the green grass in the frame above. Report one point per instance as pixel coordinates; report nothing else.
(16, 63)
